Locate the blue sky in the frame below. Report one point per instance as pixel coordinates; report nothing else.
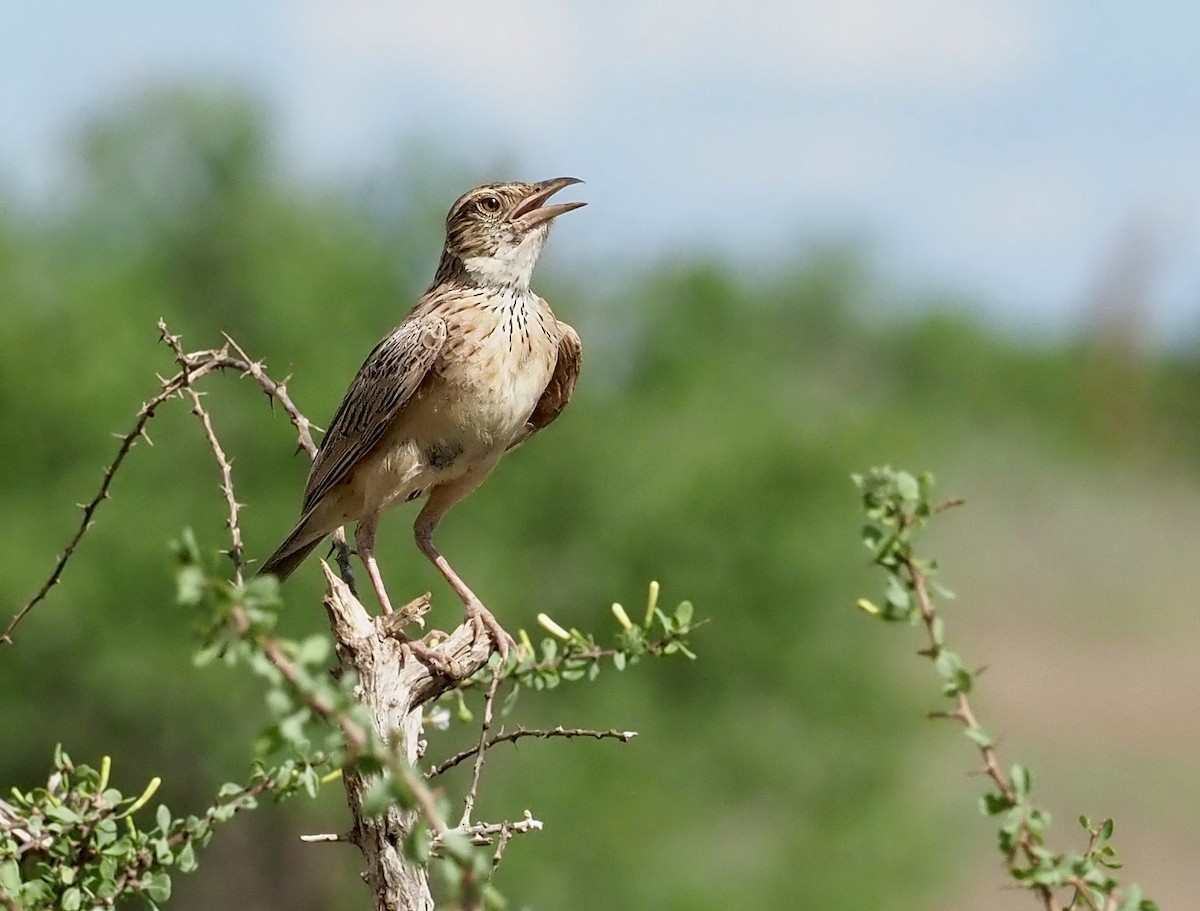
(1003, 149)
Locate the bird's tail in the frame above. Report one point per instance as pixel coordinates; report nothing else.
(291, 553)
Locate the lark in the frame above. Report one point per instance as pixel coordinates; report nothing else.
(478, 366)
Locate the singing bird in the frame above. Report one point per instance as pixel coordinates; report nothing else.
(478, 366)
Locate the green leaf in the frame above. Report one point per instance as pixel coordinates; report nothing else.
(978, 736)
(417, 844)
(619, 661)
(190, 584)
(313, 650)
(162, 817)
(871, 536)
(683, 615)
(10, 877)
(72, 899)
(937, 631)
(897, 595)
(456, 845)
(310, 781)
(157, 886)
(1020, 778)
(186, 858)
(62, 814)
(377, 798)
(994, 803)
(510, 701)
(1133, 898)
(1106, 830)
(907, 486)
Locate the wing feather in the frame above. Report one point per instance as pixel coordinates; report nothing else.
(387, 380)
(559, 389)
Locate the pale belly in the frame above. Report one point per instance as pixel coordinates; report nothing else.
(462, 423)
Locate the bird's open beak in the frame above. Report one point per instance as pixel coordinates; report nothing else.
(530, 212)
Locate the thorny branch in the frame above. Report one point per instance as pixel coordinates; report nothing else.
(964, 713)
(356, 736)
(536, 733)
(193, 367)
(488, 704)
(482, 834)
(170, 388)
(236, 551)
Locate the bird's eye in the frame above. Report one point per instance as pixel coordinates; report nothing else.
(489, 204)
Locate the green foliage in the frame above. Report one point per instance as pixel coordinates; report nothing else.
(79, 842)
(580, 656)
(707, 447)
(75, 844)
(897, 505)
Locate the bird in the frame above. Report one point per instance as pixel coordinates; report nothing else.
(477, 367)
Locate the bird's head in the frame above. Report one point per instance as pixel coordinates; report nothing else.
(495, 232)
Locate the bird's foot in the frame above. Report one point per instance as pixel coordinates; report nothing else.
(486, 624)
(430, 656)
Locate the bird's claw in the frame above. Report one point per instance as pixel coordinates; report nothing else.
(430, 656)
(486, 624)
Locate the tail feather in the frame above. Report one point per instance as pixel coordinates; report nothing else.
(289, 555)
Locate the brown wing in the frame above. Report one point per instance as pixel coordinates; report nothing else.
(388, 378)
(559, 389)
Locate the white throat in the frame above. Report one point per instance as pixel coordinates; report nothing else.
(511, 267)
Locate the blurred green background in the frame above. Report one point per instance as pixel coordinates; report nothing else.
(719, 416)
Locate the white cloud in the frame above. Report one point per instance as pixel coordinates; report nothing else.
(488, 55)
(867, 44)
(538, 59)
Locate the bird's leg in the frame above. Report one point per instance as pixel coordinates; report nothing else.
(364, 541)
(481, 618)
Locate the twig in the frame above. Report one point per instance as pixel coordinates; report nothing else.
(1081, 889)
(481, 749)
(275, 391)
(537, 733)
(356, 737)
(169, 389)
(279, 391)
(328, 837)
(194, 366)
(965, 714)
(481, 834)
(236, 551)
